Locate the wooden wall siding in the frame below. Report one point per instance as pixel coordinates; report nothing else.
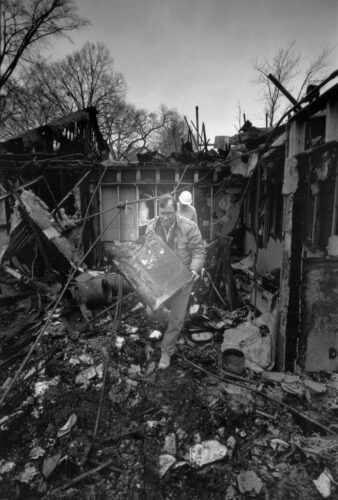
(129, 184)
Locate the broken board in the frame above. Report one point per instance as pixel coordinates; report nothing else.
(153, 269)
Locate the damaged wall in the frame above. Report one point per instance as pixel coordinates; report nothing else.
(123, 183)
(269, 258)
(308, 290)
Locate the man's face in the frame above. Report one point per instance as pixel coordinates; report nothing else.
(167, 215)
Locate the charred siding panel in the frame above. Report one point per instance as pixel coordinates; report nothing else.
(319, 334)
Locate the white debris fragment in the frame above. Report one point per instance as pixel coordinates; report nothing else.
(86, 359)
(201, 336)
(155, 335)
(74, 361)
(165, 462)
(85, 376)
(218, 325)
(30, 373)
(36, 453)
(99, 370)
(231, 443)
(194, 308)
(207, 452)
(6, 466)
(40, 388)
(152, 424)
(249, 482)
(137, 307)
(119, 341)
(134, 337)
(323, 484)
(181, 434)
(170, 444)
(55, 381)
(130, 329)
(68, 426)
(278, 444)
(134, 370)
(28, 474)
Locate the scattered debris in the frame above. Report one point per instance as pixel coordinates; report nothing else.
(210, 416)
(323, 484)
(84, 377)
(249, 482)
(207, 452)
(68, 426)
(165, 462)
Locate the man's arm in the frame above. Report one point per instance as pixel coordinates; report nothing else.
(196, 248)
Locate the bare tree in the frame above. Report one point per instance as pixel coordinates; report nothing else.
(131, 130)
(26, 23)
(285, 66)
(84, 78)
(25, 108)
(169, 137)
(44, 91)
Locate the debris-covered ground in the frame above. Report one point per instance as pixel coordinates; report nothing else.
(193, 431)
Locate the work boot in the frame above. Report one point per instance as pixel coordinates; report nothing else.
(164, 361)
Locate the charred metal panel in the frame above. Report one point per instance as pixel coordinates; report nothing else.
(152, 269)
(318, 348)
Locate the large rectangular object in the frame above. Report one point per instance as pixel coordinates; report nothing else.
(152, 268)
(319, 320)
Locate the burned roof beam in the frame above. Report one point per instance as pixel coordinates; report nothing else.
(284, 91)
(23, 186)
(32, 226)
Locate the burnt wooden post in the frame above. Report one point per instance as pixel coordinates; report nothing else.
(223, 271)
(225, 246)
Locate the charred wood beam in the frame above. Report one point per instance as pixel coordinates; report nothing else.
(284, 91)
(23, 186)
(190, 132)
(321, 148)
(33, 227)
(56, 209)
(59, 205)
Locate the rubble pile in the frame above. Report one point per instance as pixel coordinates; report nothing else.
(81, 424)
(85, 413)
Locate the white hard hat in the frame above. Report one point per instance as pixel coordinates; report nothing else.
(185, 198)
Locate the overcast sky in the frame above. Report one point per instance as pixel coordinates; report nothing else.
(184, 53)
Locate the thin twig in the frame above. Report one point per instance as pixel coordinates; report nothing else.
(83, 476)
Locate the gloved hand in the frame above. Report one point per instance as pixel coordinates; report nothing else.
(195, 275)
